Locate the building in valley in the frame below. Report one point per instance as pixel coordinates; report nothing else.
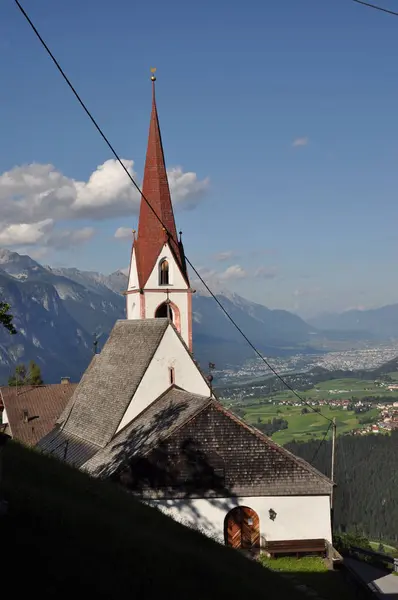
(144, 415)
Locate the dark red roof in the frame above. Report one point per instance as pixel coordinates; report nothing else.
(43, 403)
(151, 234)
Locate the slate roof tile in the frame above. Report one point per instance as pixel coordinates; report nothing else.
(105, 390)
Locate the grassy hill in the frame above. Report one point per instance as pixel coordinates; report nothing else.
(66, 532)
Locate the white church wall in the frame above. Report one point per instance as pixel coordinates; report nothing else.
(179, 299)
(133, 306)
(170, 353)
(176, 280)
(297, 517)
(133, 273)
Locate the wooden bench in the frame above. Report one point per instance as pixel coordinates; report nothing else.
(297, 547)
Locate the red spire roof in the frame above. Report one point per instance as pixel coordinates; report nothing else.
(151, 233)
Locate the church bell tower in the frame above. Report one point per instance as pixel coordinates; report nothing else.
(158, 284)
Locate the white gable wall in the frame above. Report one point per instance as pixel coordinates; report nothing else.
(133, 273)
(175, 277)
(297, 517)
(133, 301)
(170, 353)
(4, 417)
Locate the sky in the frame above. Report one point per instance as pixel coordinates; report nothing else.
(280, 131)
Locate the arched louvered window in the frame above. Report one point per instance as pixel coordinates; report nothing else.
(164, 272)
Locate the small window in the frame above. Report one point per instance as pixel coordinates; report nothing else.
(164, 272)
(171, 374)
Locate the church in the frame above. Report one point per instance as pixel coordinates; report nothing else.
(145, 416)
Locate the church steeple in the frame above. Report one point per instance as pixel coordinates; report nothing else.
(158, 279)
(151, 233)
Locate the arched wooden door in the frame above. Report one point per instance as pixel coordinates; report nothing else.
(242, 528)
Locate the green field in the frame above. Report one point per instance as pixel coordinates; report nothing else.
(313, 425)
(304, 427)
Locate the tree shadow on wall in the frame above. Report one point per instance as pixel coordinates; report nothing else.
(155, 461)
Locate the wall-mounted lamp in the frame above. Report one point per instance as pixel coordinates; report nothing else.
(272, 514)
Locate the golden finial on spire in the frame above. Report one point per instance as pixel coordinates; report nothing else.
(153, 71)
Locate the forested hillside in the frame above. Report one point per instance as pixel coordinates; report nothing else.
(366, 495)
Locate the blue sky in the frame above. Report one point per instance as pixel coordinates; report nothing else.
(287, 108)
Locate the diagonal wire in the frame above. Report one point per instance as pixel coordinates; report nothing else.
(385, 10)
(320, 444)
(115, 154)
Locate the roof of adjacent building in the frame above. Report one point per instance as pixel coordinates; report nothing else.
(111, 380)
(155, 188)
(43, 405)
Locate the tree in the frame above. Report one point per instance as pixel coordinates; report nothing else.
(19, 377)
(34, 377)
(24, 376)
(6, 318)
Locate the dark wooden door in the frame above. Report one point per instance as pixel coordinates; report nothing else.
(242, 528)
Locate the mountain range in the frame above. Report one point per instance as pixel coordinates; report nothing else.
(58, 311)
(376, 323)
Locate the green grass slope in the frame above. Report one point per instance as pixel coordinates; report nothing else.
(66, 533)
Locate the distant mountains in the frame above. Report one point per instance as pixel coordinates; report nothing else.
(58, 310)
(378, 323)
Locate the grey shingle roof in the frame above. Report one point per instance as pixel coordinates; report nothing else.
(253, 465)
(67, 447)
(160, 420)
(111, 380)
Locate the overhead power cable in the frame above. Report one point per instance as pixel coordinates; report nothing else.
(320, 444)
(385, 10)
(115, 154)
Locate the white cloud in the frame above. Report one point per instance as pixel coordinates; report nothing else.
(26, 233)
(33, 198)
(233, 272)
(300, 141)
(221, 256)
(123, 233)
(266, 272)
(43, 234)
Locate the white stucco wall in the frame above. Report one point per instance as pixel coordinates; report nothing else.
(180, 299)
(176, 279)
(159, 292)
(133, 275)
(133, 306)
(170, 353)
(297, 517)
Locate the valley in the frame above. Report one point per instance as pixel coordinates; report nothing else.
(360, 406)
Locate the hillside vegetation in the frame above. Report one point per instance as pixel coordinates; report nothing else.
(367, 482)
(66, 532)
